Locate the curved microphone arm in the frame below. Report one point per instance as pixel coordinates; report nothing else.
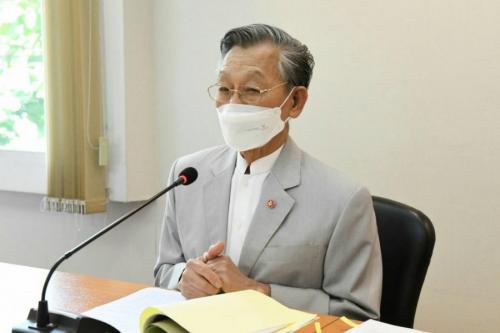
(186, 177)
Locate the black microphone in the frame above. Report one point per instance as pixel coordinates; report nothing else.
(188, 176)
(42, 320)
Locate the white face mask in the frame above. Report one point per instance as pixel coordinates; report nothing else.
(246, 127)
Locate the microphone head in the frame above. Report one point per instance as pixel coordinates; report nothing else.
(188, 175)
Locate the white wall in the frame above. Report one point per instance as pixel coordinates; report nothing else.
(34, 238)
(128, 77)
(404, 98)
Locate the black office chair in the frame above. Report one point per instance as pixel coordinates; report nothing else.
(407, 239)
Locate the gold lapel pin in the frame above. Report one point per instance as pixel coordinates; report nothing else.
(271, 204)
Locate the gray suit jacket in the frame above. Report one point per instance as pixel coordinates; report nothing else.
(318, 248)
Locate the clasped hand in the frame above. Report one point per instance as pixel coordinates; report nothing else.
(212, 273)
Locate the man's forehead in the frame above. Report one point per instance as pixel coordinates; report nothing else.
(259, 60)
(250, 71)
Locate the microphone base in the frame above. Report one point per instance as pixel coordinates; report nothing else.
(63, 322)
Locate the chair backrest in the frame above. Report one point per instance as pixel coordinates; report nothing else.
(407, 239)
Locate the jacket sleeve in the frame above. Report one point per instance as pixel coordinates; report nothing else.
(352, 281)
(170, 262)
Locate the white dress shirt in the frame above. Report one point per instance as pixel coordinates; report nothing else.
(245, 194)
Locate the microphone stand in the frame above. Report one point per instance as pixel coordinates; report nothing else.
(42, 320)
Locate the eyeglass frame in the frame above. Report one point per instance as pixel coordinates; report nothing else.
(233, 91)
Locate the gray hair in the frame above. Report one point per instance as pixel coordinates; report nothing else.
(296, 62)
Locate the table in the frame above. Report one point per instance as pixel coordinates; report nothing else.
(21, 288)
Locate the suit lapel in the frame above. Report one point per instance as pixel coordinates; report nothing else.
(216, 193)
(266, 221)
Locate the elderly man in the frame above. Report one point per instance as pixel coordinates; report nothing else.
(265, 215)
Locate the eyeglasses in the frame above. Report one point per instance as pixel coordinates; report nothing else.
(248, 95)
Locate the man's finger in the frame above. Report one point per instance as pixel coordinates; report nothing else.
(196, 286)
(214, 251)
(204, 271)
(216, 262)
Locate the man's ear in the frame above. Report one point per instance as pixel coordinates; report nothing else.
(299, 99)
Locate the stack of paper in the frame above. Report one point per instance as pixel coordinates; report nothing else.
(124, 313)
(152, 310)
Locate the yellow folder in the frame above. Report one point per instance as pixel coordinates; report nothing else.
(243, 311)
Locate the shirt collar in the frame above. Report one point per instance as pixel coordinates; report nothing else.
(262, 165)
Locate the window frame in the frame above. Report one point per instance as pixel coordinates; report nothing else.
(23, 171)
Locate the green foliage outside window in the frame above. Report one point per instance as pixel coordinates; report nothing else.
(21, 75)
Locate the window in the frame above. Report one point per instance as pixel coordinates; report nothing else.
(22, 120)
